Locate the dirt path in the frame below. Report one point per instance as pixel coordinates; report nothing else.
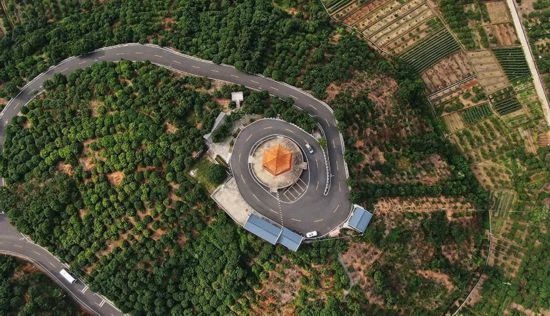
(522, 36)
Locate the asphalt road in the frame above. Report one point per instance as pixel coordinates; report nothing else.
(313, 210)
(336, 202)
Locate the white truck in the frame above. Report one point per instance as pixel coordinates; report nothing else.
(67, 276)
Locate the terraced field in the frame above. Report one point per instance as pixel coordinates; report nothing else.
(513, 62)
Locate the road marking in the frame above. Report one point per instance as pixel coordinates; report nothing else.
(64, 69)
(274, 211)
(318, 220)
(82, 62)
(296, 220)
(249, 136)
(274, 88)
(119, 54)
(240, 153)
(159, 56)
(102, 303)
(336, 208)
(235, 76)
(294, 97)
(317, 186)
(214, 70)
(337, 167)
(36, 252)
(288, 130)
(84, 289)
(339, 186)
(254, 195)
(53, 265)
(254, 81)
(196, 67)
(268, 127)
(317, 164)
(177, 62)
(139, 53)
(17, 246)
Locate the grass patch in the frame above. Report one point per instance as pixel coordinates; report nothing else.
(210, 174)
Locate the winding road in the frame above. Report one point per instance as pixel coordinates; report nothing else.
(337, 202)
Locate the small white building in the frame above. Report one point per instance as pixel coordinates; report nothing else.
(237, 97)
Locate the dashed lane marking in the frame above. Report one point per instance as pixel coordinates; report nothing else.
(256, 197)
(274, 88)
(36, 252)
(51, 263)
(196, 67)
(84, 289)
(339, 186)
(336, 208)
(139, 53)
(214, 70)
(64, 69)
(159, 56)
(249, 136)
(295, 219)
(176, 62)
(319, 220)
(337, 167)
(294, 97)
(254, 81)
(268, 127)
(120, 54)
(235, 76)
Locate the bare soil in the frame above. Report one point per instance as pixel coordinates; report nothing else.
(498, 12)
(115, 178)
(438, 277)
(65, 168)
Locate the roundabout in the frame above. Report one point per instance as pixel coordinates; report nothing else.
(284, 181)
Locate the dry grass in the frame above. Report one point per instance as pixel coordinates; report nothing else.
(65, 168)
(115, 178)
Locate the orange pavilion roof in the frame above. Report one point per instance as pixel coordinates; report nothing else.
(277, 160)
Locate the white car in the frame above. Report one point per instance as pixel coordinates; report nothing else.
(311, 234)
(309, 148)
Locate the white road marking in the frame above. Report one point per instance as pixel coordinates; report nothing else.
(159, 56)
(119, 54)
(296, 220)
(235, 76)
(196, 67)
(17, 246)
(274, 88)
(102, 303)
(317, 186)
(214, 70)
(242, 178)
(318, 220)
(240, 156)
(336, 208)
(36, 252)
(82, 62)
(294, 97)
(64, 69)
(139, 53)
(339, 187)
(177, 62)
(84, 289)
(50, 263)
(254, 81)
(337, 167)
(317, 164)
(249, 136)
(254, 195)
(268, 127)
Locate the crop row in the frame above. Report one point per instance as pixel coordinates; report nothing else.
(507, 106)
(430, 51)
(513, 62)
(335, 5)
(475, 114)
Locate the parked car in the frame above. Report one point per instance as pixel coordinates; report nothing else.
(309, 148)
(311, 234)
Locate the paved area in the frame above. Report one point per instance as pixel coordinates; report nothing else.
(230, 199)
(312, 210)
(337, 203)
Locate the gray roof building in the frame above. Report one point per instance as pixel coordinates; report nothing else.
(359, 219)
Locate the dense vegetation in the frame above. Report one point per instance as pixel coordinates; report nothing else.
(97, 167)
(26, 291)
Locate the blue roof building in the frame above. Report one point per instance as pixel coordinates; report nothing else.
(263, 228)
(359, 219)
(290, 239)
(273, 233)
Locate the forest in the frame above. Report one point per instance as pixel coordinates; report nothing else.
(26, 291)
(97, 166)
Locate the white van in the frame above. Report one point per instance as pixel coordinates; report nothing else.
(67, 276)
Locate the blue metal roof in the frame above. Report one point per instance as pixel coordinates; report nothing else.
(290, 239)
(360, 219)
(263, 228)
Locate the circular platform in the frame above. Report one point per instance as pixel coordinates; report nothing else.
(277, 162)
